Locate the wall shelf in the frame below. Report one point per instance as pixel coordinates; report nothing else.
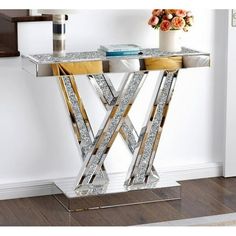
(8, 29)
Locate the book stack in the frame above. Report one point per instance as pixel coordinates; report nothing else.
(120, 50)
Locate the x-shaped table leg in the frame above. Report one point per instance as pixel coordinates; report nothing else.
(141, 172)
(95, 148)
(143, 146)
(112, 123)
(108, 95)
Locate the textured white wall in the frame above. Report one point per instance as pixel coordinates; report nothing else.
(230, 157)
(36, 141)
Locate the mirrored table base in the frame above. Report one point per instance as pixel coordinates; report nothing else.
(116, 194)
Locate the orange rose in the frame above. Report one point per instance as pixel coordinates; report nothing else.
(165, 25)
(156, 12)
(153, 21)
(180, 12)
(170, 11)
(178, 22)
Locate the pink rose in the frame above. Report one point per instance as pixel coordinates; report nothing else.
(156, 12)
(165, 25)
(153, 21)
(178, 23)
(180, 12)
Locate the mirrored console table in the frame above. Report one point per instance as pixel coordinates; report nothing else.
(94, 187)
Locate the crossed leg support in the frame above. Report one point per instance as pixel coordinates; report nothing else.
(95, 148)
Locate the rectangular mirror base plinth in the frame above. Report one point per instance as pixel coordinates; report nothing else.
(116, 194)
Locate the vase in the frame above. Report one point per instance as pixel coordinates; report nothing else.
(170, 40)
(124, 65)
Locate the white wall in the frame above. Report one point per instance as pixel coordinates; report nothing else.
(36, 141)
(230, 160)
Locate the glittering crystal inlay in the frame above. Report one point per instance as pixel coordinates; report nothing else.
(86, 141)
(94, 161)
(69, 57)
(130, 134)
(91, 190)
(98, 55)
(148, 148)
(103, 85)
(127, 129)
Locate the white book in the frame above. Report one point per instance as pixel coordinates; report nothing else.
(120, 48)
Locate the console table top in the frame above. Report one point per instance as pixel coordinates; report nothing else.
(99, 56)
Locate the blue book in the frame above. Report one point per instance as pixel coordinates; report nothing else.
(122, 53)
(120, 48)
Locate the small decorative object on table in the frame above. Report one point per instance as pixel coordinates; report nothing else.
(172, 22)
(121, 50)
(59, 28)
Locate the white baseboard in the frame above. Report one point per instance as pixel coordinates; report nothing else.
(27, 189)
(44, 187)
(195, 171)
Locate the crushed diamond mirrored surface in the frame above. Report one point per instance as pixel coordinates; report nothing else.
(98, 55)
(86, 141)
(131, 140)
(148, 148)
(128, 95)
(127, 127)
(102, 84)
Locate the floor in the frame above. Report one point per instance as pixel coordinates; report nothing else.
(203, 197)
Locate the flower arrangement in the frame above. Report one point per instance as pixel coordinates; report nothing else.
(171, 19)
